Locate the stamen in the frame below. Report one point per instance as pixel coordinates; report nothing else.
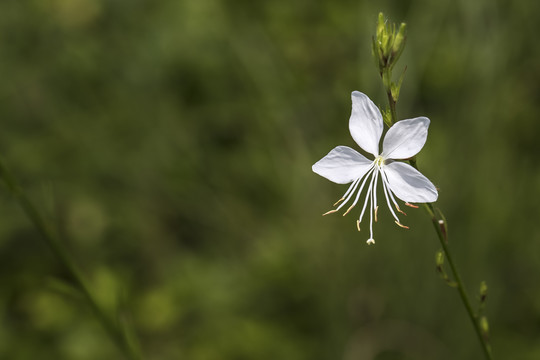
(340, 200)
(358, 193)
(401, 225)
(329, 212)
(366, 201)
(374, 200)
(401, 211)
(358, 224)
(349, 193)
(373, 190)
(411, 205)
(386, 193)
(349, 209)
(348, 190)
(360, 190)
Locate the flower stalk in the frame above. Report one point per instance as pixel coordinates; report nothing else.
(386, 38)
(120, 336)
(479, 323)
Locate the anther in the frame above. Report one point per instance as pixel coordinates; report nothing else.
(329, 212)
(411, 205)
(401, 225)
(349, 209)
(401, 211)
(376, 208)
(340, 200)
(358, 224)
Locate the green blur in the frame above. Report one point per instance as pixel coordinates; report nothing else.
(170, 144)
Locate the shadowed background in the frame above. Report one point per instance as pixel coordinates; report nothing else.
(170, 143)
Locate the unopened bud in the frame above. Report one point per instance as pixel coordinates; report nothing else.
(382, 42)
(439, 258)
(387, 117)
(399, 42)
(439, 261)
(380, 26)
(483, 291)
(484, 326)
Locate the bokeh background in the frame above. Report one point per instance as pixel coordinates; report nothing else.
(170, 143)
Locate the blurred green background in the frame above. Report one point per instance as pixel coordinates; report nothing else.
(170, 143)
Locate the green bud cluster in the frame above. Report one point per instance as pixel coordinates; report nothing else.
(388, 44)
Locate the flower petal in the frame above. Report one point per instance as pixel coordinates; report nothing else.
(409, 184)
(366, 123)
(342, 165)
(405, 138)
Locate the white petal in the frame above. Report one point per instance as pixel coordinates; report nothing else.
(405, 138)
(366, 123)
(342, 165)
(409, 184)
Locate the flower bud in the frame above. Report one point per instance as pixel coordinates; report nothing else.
(387, 43)
(399, 42)
(439, 259)
(484, 326)
(387, 117)
(381, 28)
(483, 292)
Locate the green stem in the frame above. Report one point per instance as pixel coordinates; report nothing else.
(391, 101)
(130, 350)
(461, 289)
(443, 240)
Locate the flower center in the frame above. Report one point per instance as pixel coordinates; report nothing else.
(370, 178)
(379, 161)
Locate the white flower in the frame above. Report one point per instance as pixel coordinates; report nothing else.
(403, 140)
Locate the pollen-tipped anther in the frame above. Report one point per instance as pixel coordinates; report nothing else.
(398, 209)
(349, 209)
(358, 224)
(401, 225)
(329, 212)
(411, 205)
(340, 200)
(376, 209)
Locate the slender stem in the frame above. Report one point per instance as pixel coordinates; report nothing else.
(443, 240)
(130, 350)
(391, 101)
(461, 289)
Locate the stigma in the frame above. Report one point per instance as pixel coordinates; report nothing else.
(379, 161)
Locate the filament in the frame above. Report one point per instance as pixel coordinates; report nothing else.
(359, 191)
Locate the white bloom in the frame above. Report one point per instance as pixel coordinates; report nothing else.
(403, 140)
